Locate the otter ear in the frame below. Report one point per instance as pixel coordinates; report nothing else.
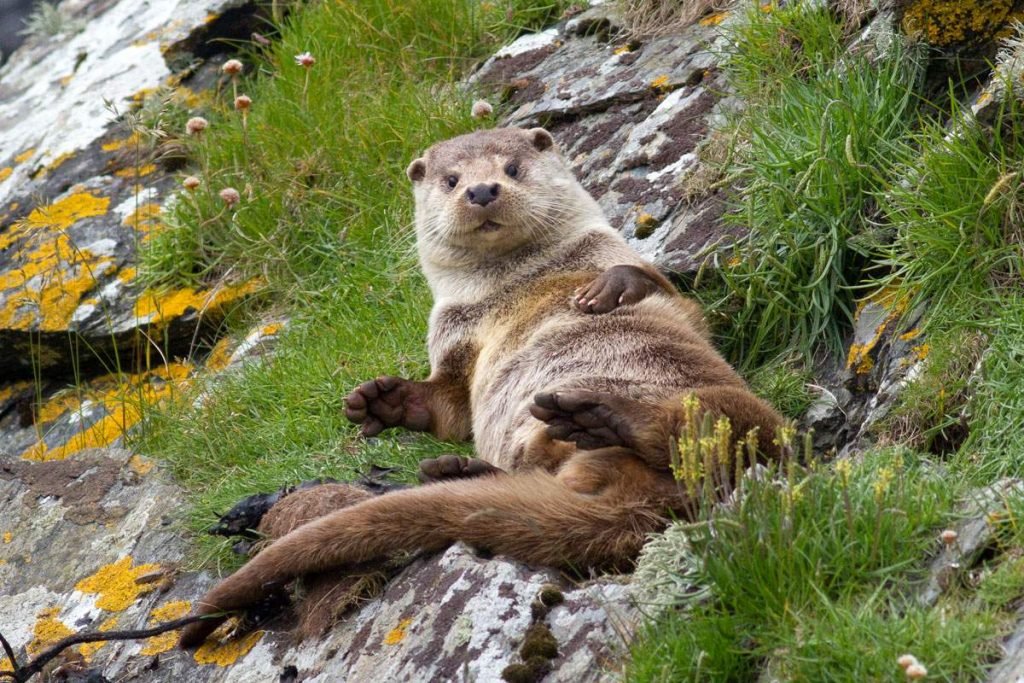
(417, 170)
(541, 139)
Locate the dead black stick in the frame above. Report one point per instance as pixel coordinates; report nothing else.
(21, 674)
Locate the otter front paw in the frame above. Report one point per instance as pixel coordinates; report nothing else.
(388, 402)
(618, 286)
(447, 467)
(590, 419)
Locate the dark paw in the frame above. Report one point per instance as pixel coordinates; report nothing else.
(454, 467)
(617, 286)
(590, 419)
(388, 402)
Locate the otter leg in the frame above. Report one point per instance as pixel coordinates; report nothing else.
(448, 467)
(595, 420)
(437, 407)
(619, 286)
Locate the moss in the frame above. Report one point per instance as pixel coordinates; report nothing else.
(539, 642)
(645, 225)
(116, 585)
(551, 595)
(946, 23)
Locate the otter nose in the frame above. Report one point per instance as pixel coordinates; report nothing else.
(483, 194)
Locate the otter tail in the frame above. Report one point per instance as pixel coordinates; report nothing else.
(533, 517)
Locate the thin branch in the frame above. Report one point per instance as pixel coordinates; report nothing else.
(21, 674)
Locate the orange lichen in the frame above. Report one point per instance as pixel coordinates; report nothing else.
(714, 19)
(52, 274)
(10, 390)
(25, 156)
(123, 399)
(660, 82)
(135, 171)
(121, 143)
(158, 307)
(87, 650)
(622, 50)
(57, 406)
(397, 634)
(858, 358)
(116, 584)
(52, 166)
(47, 630)
(5, 173)
(950, 22)
(272, 329)
(165, 641)
(221, 650)
(8, 536)
(144, 219)
(141, 466)
(220, 355)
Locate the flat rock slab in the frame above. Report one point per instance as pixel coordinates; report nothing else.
(91, 542)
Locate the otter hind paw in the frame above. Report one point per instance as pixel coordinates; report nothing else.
(388, 402)
(590, 419)
(447, 467)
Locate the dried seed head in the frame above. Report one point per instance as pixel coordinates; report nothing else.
(916, 671)
(482, 109)
(232, 67)
(230, 196)
(190, 183)
(949, 536)
(196, 125)
(906, 660)
(305, 59)
(243, 102)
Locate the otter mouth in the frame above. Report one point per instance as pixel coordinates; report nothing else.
(489, 226)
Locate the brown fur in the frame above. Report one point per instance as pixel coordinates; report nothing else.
(578, 409)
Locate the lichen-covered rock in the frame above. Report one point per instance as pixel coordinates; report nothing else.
(90, 543)
(629, 117)
(78, 193)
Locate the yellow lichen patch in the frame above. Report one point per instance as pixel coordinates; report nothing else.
(64, 80)
(5, 665)
(911, 334)
(10, 390)
(164, 613)
(220, 355)
(141, 466)
(714, 19)
(223, 651)
(5, 173)
(123, 399)
(272, 329)
(859, 357)
(57, 406)
(144, 219)
(47, 630)
(921, 351)
(660, 82)
(8, 536)
(53, 274)
(121, 143)
(622, 50)
(115, 584)
(52, 166)
(87, 650)
(397, 634)
(949, 22)
(158, 307)
(135, 171)
(25, 156)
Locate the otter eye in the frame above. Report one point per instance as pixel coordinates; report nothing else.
(452, 181)
(512, 170)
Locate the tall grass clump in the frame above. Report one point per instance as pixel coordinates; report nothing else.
(813, 147)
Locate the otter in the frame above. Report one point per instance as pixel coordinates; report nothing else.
(555, 347)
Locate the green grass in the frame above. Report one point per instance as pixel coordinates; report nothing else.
(814, 149)
(784, 384)
(324, 221)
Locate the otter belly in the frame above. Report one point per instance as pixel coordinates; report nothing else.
(635, 351)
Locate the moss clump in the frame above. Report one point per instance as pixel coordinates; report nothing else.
(539, 642)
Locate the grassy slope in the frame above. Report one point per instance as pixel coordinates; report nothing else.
(815, 582)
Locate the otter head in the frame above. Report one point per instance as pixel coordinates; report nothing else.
(493, 191)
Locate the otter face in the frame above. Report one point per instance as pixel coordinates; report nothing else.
(491, 191)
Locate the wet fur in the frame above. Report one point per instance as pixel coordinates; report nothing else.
(515, 360)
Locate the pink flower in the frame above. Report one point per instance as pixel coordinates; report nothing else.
(305, 59)
(232, 67)
(190, 183)
(230, 196)
(196, 125)
(243, 102)
(482, 109)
